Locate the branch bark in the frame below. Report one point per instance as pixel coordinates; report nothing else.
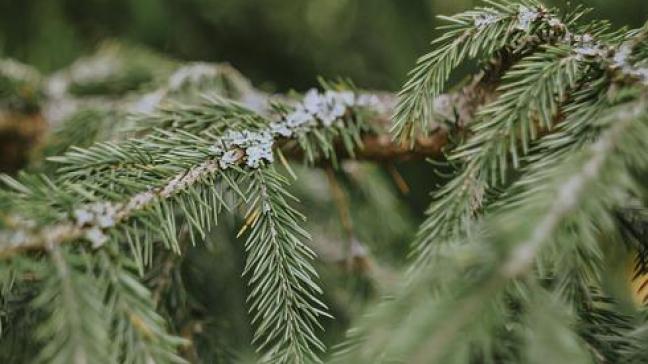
(19, 134)
(456, 107)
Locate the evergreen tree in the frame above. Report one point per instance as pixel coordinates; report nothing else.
(536, 233)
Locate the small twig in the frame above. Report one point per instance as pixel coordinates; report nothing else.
(355, 256)
(398, 178)
(163, 279)
(341, 202)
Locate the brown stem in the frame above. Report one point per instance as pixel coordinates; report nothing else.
(342, 203)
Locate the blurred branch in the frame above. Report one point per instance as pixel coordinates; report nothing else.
(19, 134)
(193, 79)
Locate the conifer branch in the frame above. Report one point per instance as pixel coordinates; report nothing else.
(77, 329)
(530, 102)
(549, 150)
(210, 153)
(480, 33)
(503, 250)
(186, 177)
(139, 333)
(283, 298)
(470, 34)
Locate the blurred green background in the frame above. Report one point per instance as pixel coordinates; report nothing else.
(279, 44)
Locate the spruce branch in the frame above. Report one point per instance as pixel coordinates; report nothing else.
(531, 90)
(182, 176)
(139, 334)
(483, 31)
(95, 168)
(283, 297)
(533, 98)
(549, 150)
(77, 328)
(504, 249)
(469, 35)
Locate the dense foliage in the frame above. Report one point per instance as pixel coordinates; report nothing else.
(528, 251)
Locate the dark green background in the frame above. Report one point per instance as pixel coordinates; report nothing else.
(280, 44)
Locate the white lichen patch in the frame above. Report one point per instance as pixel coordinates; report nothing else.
(95, 218)
(102, 214)
(298, 117)
(622, 62)
(315, 109)
(326, 107)
(258, 153)
(96, 236)
(246, 138)
(555, 23)
(622, 55)
(619, 59)
(281, 129)
(590, 50)
(367, 100)
(229, 158)
(257, 147)
(83, 217)
(484, 20)
(585, 46)
(526, 17)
